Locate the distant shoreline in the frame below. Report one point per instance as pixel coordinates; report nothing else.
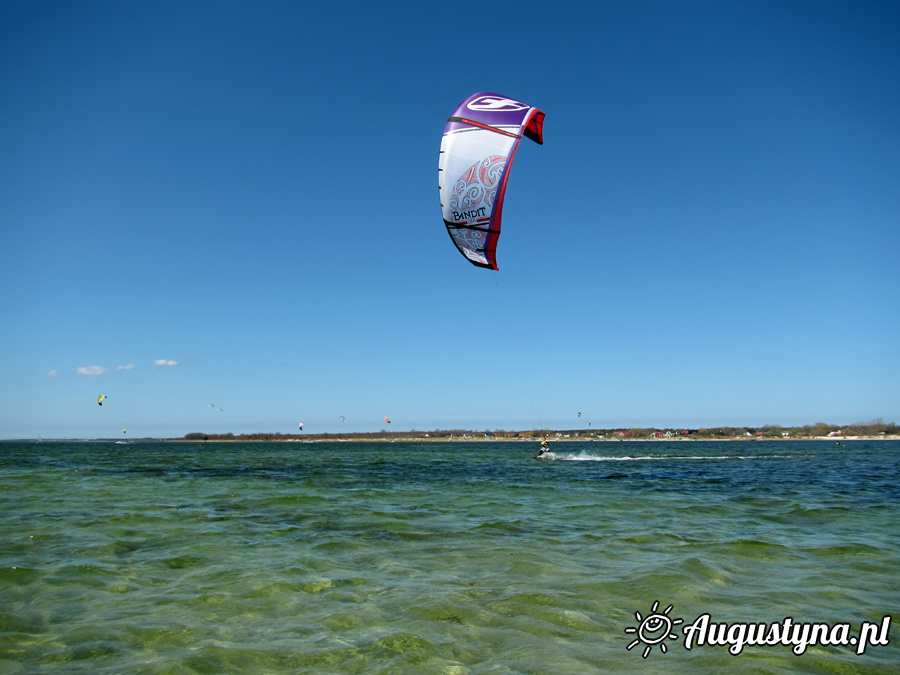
(456, 439)
(550, 438)
(876, 430)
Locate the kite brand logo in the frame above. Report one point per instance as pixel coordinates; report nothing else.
(657, 627)
(469, 215)
(496, 104)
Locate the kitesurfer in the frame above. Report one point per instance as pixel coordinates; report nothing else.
(545, 447)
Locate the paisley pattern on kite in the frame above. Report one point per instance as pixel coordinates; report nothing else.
(477, 151)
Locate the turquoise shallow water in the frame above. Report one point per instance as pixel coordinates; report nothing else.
(440, 557)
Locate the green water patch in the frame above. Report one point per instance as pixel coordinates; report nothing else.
(246, 558)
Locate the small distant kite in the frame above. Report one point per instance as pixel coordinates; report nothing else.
(124, 431)
(301, 426)
(387, 419)
(342, 418)
(579, 414)
(211, 405)
(100, 400)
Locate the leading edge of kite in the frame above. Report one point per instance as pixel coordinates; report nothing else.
(477, 150)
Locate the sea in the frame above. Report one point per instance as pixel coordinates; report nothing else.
(450, 557)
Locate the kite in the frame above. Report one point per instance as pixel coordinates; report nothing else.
(387, 420)
(301, 426)
(477, 151)
(100, 400)
(342, 418)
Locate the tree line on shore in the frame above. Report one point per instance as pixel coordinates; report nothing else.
(875, 427)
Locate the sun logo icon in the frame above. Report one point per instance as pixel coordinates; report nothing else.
(653, 629)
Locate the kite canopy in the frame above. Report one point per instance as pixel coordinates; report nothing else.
(477, 151)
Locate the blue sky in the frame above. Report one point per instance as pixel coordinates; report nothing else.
(236, 203)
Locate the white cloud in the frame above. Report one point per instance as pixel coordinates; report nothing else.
(53, 373)
(91, 370)
(165, 362)
(129, 366)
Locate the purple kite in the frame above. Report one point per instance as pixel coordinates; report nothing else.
(477, 151)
